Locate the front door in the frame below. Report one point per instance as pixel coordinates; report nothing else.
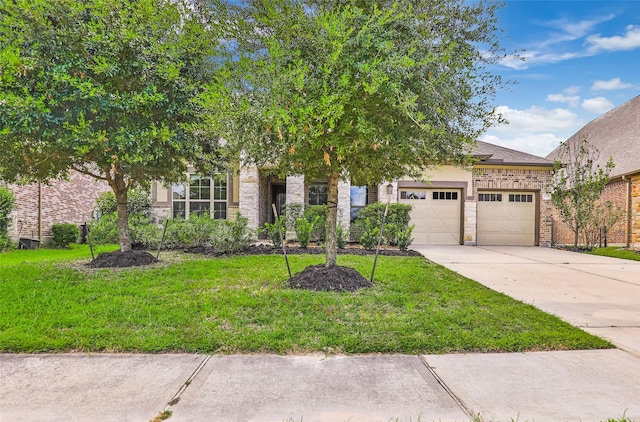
(279, 198)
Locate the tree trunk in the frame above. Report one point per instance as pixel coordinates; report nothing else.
(121, 190)
(331, 242)
(575, 237)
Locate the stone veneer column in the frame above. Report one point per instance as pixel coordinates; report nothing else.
(470, 223)
(382, 193)
(250, 196)
(344, 205)
(295, 195)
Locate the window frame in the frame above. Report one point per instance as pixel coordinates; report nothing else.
(210, 196)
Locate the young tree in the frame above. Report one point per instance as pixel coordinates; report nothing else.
(106, 88)
(578, 183)
(360, 91)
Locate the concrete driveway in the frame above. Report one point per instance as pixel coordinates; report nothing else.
(598, 294)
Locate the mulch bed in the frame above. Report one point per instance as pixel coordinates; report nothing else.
(118, 259)
(296, 250)
(329, 279)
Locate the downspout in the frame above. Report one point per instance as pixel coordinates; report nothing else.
(39, 210)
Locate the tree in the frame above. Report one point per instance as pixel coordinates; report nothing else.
(106, 88)
(359, 91)
(578, 183)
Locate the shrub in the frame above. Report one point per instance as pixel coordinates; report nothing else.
(304, 230)
(64, 234)
(291, 214)
(405, 238)
(370, 235)
(341, 237)
(397, 219)
(275, 232)
(318, 212)
(7, 202)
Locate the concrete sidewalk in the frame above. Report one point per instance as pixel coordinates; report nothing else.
(601, 295)
(541, 386)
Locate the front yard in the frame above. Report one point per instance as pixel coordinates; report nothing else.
(189, 303)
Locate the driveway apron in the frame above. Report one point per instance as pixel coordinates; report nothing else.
(599, 294)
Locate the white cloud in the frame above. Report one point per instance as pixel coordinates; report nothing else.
(536, 130)
(538, 57)
(572, 100)
(610, 85)
(597, 105)
(537, 144)
(629, 41)
(536, 120)
(572, 30)
(572, 90)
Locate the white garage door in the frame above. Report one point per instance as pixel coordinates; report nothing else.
(506, 218)
(435, 214)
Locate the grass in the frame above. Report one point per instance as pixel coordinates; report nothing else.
(617, 252)
(242, 305)
(75, 251)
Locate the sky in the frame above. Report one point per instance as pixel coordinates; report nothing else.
(582, 59)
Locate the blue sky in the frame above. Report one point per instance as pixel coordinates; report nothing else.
(582, 59)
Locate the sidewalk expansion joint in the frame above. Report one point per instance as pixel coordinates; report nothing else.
(446, 388)
(176, 397)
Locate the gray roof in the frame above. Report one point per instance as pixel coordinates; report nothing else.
(494, 154)
(615, 134)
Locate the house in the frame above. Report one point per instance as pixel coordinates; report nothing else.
(615, 134)
(39, 205)
(503, 199)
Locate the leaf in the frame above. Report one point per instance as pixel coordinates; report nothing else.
(327, 159)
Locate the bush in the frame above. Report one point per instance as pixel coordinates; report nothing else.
(318, 212)
(370, 235)
(275, 232)
(341, 237)
(304, 230)
(7, 202)
(64, 234)
(405, 238)
(397, 220)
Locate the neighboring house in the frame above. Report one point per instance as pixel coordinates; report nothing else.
(503, 199)
(615, 134)
(39, 205)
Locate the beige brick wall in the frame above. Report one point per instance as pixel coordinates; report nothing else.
(524, 179)
(63, 201)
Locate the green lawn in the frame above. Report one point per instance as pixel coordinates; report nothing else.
(242, 305)
(19, 256)
(617, 252)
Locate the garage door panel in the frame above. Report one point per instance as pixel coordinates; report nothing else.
(436, 221)
(502, 221)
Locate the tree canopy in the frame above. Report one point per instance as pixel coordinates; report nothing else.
(360, 91)
(104, 87)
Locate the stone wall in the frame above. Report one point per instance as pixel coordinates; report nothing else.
(524, 179)
(60, 201)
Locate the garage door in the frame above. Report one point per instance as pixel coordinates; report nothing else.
(506, 218)
(435, 214)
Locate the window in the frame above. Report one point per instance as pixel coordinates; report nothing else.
(490, 197)
(517, 197)
(413, 194)
(318, 194)
(447, 196)
(358, 200)
(201, 196)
